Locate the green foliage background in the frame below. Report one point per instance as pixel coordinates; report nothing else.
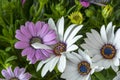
(13, 14)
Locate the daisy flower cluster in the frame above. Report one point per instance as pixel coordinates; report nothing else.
(59, 40)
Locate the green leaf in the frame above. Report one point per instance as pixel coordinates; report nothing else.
(11, 59)
(8, 49)
(100, 76)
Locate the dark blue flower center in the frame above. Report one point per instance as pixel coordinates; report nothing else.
(84, 68)
(108, 51)
(59, 48)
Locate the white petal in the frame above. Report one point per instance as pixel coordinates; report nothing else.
(43, 62)
(72, 41)
(115, 68)
(110, 32)
(97, 36)
(85, 46)
(68, 31)
(91, 44)
(40, 46)
(71, 72)
(116, 61)
(96, 58)
(74, 32)
(72, 48)
(92, 40)
(52, 24)
(117, 37)
(45, 69)
(118, 54)
(60, 26)
(103, 34)
(84, 56)
(53, 63)
(62, 63)
(73, 58)
(92, 53)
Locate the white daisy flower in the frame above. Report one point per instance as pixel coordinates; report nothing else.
(117, 77)
(104, 48)
(64, 46)
(79, 67)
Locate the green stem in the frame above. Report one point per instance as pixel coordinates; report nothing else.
(38, 12)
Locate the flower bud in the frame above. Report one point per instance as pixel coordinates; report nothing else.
(76, 17)
(107, 11)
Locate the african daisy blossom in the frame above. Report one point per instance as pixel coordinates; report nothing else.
(104, 48)
(79, 67)
(32, 34)
(62, 48)
(17, 74)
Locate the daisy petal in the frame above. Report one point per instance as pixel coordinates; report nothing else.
(62, 63)
(40, 46)
(68, 31)
(43, 62)
(52, 24)
(45, 69)
(60, 25)
(53, 63)
(97, 36)
(72, 41)
(74, 32)
(103, 34)
(21, 45)
(72, 48)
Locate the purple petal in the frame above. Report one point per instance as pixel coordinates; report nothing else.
(21, 45)
(9, 70)
(49, 37)
(31, 54)
(39, 55)
(21, 37)
(16, 71)
(25, 31)
(21, 71)
(27, 24)
(44, 30)
(32, 29)
(51, 42)
(26, 51)
(34, 60)
(39, 26)
(46, 53)
(27, 76)
(6, 74)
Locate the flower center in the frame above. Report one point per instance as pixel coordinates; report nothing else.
(14, 78)
(84, 68)
(35, 39)
(108, 51)
(59, 47)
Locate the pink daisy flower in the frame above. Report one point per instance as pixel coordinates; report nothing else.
(31, 37)
(18, 74)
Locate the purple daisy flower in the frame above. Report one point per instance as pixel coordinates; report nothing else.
(31, 37)
(85, 3)
(18, 74)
